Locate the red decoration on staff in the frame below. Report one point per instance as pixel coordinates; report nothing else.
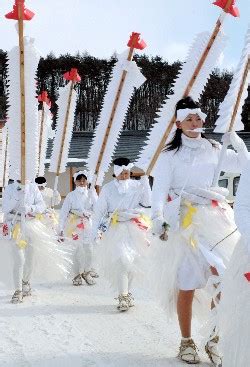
(135, 42)
(43, 97)
(247, 276)
(233, 10)
(72, 75)
(26, 14)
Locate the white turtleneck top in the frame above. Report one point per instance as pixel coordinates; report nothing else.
(192, 166)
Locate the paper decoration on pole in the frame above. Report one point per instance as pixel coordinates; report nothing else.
(64, 129)
(202, 58)
(4, 158)
(126, 76)
(231, 108)
(45, 130)
(22, 113)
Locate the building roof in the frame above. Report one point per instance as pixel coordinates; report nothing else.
(129, 145)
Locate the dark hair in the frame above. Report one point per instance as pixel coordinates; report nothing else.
(186, 102)
(79, 177)
(176, 142)
(40, 180)
(121, 161)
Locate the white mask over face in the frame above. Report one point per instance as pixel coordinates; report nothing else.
(16, 186)
(81, 189)
(122, 185)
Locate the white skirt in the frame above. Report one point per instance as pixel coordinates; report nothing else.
(184, 261)
(52, 260)
(78, 229)
(123, 243)
(234, 310)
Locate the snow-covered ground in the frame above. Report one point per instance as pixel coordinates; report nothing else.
(62, 325)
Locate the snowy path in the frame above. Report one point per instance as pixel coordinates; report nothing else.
(62, 325)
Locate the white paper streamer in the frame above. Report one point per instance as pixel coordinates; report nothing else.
(46, 135)
(31, 114)
(228, 105)
(3, 155)
(134, 79)
(62, 107)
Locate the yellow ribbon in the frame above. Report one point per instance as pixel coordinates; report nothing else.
(114, 218)
(72, 224)
(146, 219)
(16, 231)
(16, 235)
(39, 217)
(188, 218)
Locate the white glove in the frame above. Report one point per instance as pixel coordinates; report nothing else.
(24, 209)
(157, 225)
(234, 139)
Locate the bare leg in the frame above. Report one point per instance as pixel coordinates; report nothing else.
(184, 311)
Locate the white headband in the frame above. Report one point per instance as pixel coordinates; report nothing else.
(118, 169)
(182, 114)
(85, 173)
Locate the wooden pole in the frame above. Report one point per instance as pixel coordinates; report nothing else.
(237, 103)
(41, 138)
(22, 90)
(70, 178)
(188, 88)
(112, 115)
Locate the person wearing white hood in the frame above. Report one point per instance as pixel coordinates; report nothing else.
(120, 209)
(195, 220)
(75, 222)
(50, 197)
(20, 207)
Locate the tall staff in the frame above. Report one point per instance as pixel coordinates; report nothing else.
(126, 76)
(201, 60)
(20, 13)
(66, 105)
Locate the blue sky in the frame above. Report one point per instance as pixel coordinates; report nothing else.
(103, 26)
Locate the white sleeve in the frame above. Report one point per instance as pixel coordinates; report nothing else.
(64, 212)
(39, 205)
(8, 202)
(162, 180)
(234, 162)
(146, 192)
(92, 199)
(100, 211)
(242, 204)
(57, 198)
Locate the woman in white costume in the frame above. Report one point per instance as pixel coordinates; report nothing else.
(50, 197)
(234, 309)
(18, 203)
(196, 219)
(75, 224)
(121, 208)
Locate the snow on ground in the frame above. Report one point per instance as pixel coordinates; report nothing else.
(62, 325)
